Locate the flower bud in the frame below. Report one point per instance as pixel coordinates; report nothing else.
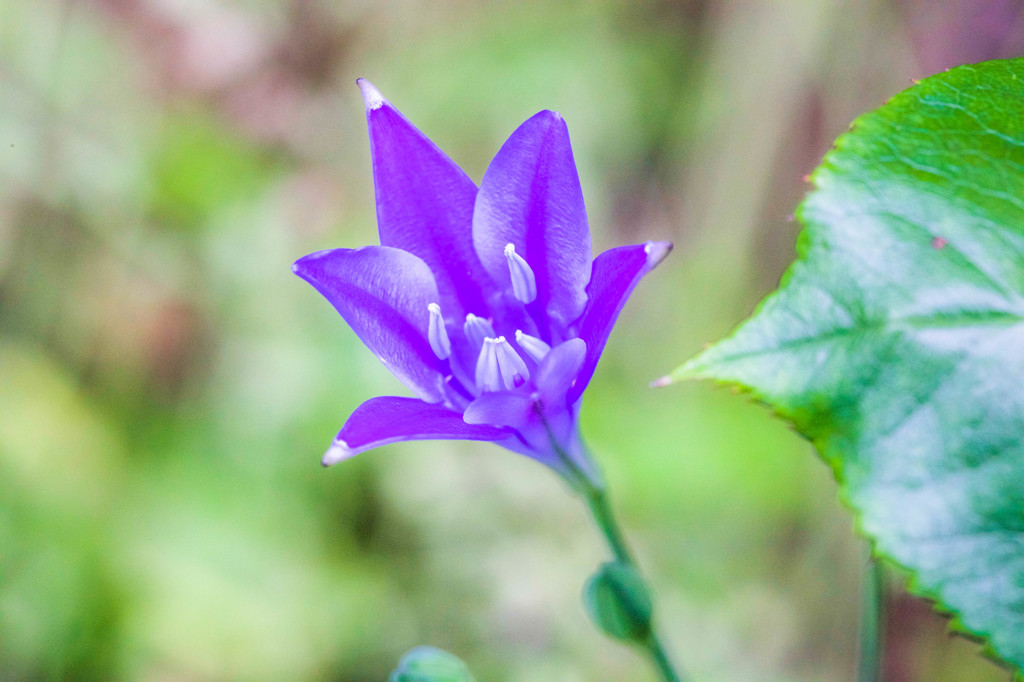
(617, 600)
(429, 664)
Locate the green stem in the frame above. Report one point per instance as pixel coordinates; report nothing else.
(600, 509)
(872, 615)
(661, 661)
(593, 491)
(597, 500)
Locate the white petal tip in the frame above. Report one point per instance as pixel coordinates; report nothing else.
(656, 252)
(371, 95)
(662, 381)
(338, 451)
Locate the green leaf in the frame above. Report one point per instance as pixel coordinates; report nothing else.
(896, 343)
(429, 664)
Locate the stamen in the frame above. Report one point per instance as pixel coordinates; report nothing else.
(532, 346)
(499, 367)
(524, 283)
(437, 335)
(477, 329)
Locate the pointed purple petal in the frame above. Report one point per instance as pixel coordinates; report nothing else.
(383, 294)
(425, 206)
(515, 410)
(558, 369)
(384, 420)
(615, 273)
(530, 197)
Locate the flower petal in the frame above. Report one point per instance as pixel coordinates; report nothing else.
(384, 420)
(383, 294)
(557, 370)
(506, 408)
(425, 206)
(530, 197)
(615, 273)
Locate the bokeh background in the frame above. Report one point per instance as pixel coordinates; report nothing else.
(167, 386)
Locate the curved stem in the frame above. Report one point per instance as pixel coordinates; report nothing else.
(597, 500)
(600, 509)
(872, 615)
(662, 662)
(593, 491)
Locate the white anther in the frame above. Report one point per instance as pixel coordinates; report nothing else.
(499, 367)
(477, 329)
(524, 283)
(437, 335)
(532, 346)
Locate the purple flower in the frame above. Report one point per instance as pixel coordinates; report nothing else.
(485, 302)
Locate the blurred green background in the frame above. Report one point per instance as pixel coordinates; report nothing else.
(167, 386)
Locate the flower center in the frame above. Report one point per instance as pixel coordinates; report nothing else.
(498, 366)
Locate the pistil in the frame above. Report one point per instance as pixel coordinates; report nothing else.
(499, 367)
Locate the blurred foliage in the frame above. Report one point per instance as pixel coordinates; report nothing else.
(167, 386)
